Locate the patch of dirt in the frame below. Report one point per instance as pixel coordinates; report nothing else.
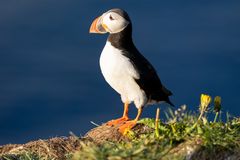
(58, 147)
(55, 147)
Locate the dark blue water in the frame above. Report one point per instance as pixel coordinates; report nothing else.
(50, 81)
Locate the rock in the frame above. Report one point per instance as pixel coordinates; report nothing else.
(104, 133)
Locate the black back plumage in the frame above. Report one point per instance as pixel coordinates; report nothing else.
(149, 80)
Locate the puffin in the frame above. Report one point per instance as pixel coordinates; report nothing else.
(125, 69)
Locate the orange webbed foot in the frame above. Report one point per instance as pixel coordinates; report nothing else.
(127, 125)
(118, 121)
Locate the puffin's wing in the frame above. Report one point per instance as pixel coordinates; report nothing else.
(131, 68)
(148, 79)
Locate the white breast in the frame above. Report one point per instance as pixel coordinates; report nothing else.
(119, 72)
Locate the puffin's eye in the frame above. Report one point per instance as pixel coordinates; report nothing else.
(111, 18)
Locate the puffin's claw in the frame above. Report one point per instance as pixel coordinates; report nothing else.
(126, 126)
(118, 121)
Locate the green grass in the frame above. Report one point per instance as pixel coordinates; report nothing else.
(182, 127)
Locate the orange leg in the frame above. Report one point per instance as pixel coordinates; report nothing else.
(130, 124)
(122, 119)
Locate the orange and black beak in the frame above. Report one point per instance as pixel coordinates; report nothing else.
(97, 26)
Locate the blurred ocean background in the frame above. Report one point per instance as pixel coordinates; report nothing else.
(50, 80)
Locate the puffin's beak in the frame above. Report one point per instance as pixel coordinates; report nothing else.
(97, 26)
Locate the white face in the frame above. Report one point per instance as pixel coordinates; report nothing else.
(113, 22)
